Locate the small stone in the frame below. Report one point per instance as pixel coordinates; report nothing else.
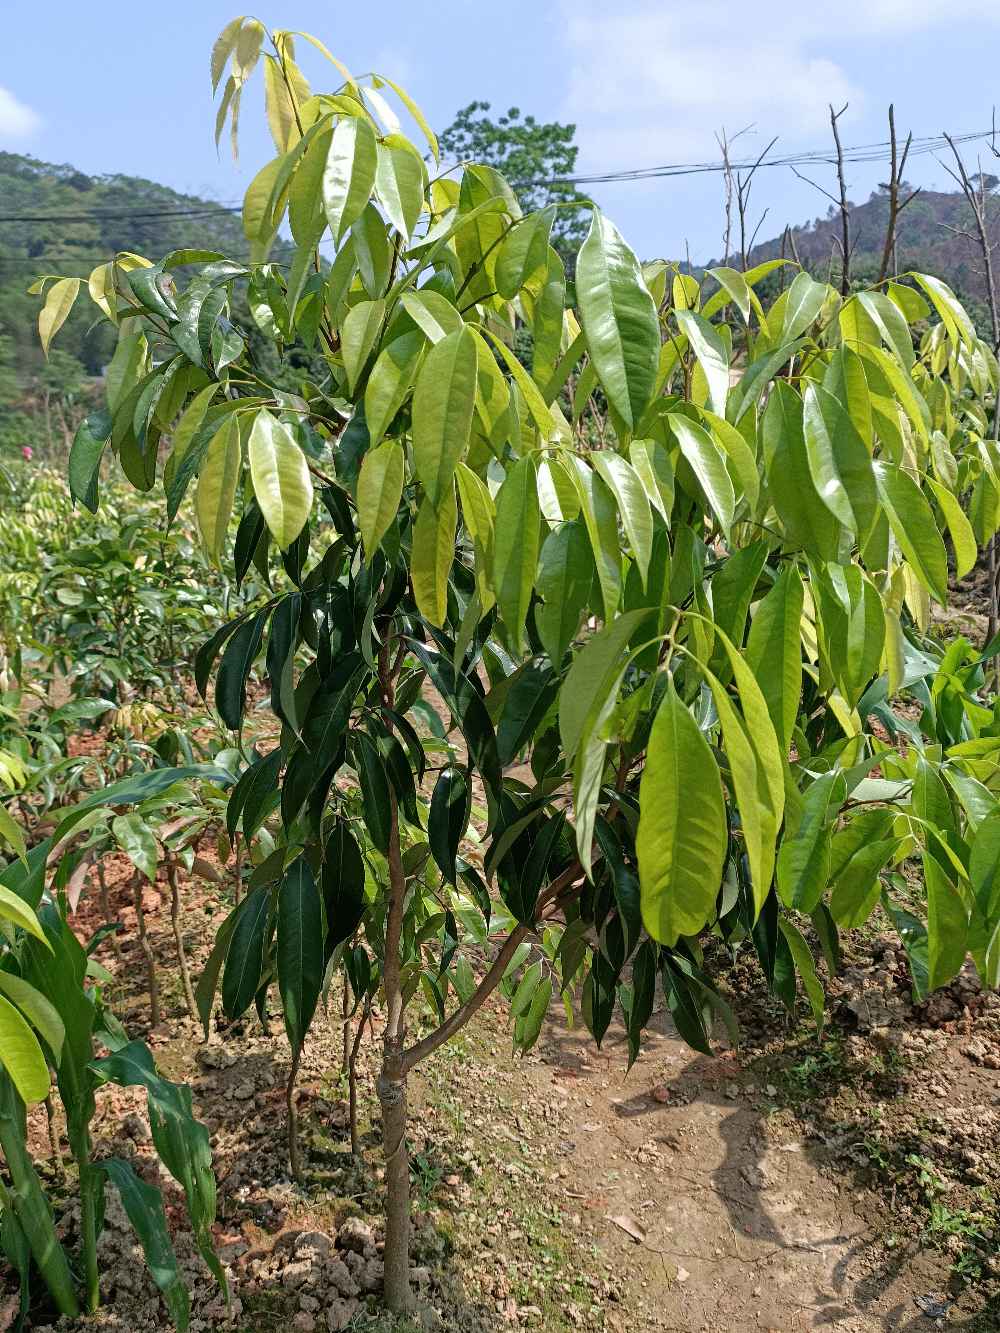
(357, 1235)
(315, 1243)
(304, 1322)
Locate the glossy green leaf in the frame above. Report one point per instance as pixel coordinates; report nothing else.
(217, 483)
(380, 488)
(280, 475)
(682, 837)
(349, 175)
(299, 949)
(443, 401)
(619, 320)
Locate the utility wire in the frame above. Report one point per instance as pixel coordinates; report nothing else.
(860, 153)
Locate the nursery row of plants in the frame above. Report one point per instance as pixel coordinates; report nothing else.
(554, 625)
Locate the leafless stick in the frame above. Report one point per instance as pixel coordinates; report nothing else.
(897, 167)
(845, 212)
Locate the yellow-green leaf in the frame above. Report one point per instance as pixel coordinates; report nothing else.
(21, 1055)
(280, 476)
(433, 553)
(53, 314)
(380, 486)
(443, 402)
(217, 483)
(682, 837)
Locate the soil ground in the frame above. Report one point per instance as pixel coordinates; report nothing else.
(799, 1182)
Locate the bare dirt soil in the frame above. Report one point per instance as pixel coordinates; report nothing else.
(844, 1181)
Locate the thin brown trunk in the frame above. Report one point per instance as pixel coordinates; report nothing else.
(54, 1144)
(152, 980)
(238, 879)
(391, 1084)
(352, 1083)
(845, 212)
(175, 922)
(106, 909)
(291, 1104)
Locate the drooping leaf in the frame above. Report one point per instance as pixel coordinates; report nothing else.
(682, 838)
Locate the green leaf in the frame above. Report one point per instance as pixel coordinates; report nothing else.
(601, 519)
(451, 806)
(947, 924)
(136, 840)
(349, 175)
(619, 320)
(523, 257)
(54, 313)
(432, 313)
(39, 1011)
(245, 959)
(390, 382)
(682, 837)
(21, 1055)
(443, 402)
(375, 793)
(87, 450)
(839, 461)
(299, 949)
(594, 672)
(565, 580)
(805, 301)
(399, 180)
(962, 535)
(708, 465)
(433, 553)
(343, 883)
(710, 350)
(10, 832)
(633, 504)
(217, 483)
(806, 968)
(358, 336)
(144, 1206)
(516, 536)
(774, 651)
(804, 859)
(380, 488)
(914, 528)
(280, 476)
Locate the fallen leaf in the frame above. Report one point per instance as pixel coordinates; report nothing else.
(629, 1225)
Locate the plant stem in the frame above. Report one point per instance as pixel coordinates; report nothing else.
(106, 908)
(147, 950)
(291, 1103)
(352, 1082)
(29, 1204)
(391, 1084)
(175, 922)
(57, 1160)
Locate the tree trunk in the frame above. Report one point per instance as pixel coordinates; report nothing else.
(147, 950)
(175, 922)
(392, 1096)
(391, 1085)
(292, 1109)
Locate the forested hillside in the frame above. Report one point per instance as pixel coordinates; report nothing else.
(931, 239)
(57, 219)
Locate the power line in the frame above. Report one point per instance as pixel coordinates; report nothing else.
(859, 154)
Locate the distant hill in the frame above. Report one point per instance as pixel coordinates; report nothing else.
(72, 222)
(927, 241)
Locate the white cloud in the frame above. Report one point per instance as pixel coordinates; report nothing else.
(17, 121)
(653, 82)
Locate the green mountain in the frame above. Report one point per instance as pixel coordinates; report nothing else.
(55, 219)
(929, 240)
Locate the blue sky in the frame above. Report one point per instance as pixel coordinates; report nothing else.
(116, 86)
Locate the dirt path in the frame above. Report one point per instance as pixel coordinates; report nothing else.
(752, 1190)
